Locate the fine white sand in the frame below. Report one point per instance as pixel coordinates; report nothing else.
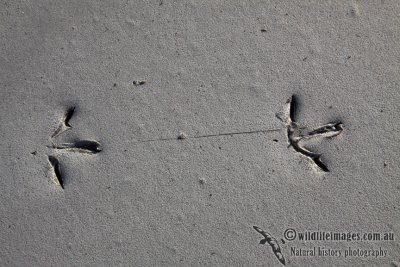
(209, 67)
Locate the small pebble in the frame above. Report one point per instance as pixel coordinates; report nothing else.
(182, 136)
(138, 82)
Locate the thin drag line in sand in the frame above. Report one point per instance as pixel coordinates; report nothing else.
(182, 137)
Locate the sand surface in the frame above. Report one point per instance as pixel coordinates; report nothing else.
(210, 68)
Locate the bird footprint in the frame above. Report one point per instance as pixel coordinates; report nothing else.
(80, 146)
(56, 177)
(64, 122)
(295, 139)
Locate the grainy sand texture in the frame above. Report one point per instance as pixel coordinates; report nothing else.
(199, 133)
